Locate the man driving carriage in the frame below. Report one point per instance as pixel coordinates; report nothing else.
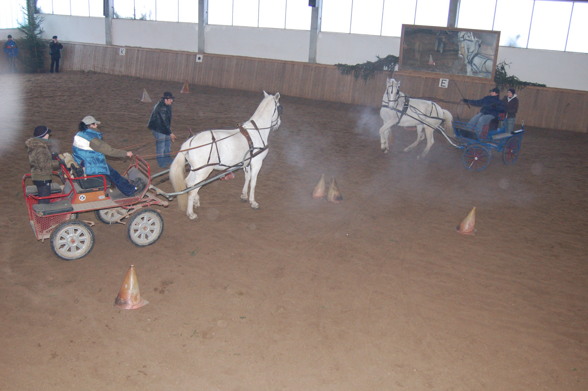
(89, 151)
(491, 108)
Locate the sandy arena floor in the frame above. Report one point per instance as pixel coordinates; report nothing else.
(378, 292)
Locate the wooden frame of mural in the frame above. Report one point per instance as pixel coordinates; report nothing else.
(451, 51)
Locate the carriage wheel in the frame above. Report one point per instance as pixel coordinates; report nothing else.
(72, 240)
(476, 157)
(110, 216)
(145, 227)
(511, 150)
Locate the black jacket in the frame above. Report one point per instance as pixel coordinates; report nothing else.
(55, 49)
(160, 120)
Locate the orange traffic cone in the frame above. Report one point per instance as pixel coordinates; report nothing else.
(185, 88)
(334, 195)
(129, 297)
(320, 189)
(467, 225)
(145, 98)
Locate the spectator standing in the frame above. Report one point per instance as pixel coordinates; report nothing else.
(160, 125)
(11, 51)
(55, 51)
(511, 101)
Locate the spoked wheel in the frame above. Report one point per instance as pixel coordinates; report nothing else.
(72, 240)
(476, 157)
(110, 216)
(145, 227)
(511, 150)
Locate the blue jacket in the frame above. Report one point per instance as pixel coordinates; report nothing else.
(94, 162)
(10, 48)
(491, 105)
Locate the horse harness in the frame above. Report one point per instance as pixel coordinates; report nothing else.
(252, 152)
(402, 112)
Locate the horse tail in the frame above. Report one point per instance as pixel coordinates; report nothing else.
(448, 123)
(176, 177)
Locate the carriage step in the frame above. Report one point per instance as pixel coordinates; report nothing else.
(53, 208)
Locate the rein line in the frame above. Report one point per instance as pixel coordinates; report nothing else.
(405, 108)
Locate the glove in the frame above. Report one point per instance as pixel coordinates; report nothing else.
(69, 160)
(464, 100)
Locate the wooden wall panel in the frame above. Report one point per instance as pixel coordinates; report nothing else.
(540, 107)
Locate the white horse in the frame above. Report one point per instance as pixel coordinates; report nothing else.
(469, 50)
(223, 149)
(400, 110)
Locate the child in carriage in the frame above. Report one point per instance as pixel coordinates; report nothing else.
(41, 161)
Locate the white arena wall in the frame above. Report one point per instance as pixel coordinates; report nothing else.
(553, 68)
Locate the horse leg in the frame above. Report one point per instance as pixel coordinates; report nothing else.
(193, 178)
(247, 172)
(385, 136)
(420, 137)
(430, 141)
(253, 181)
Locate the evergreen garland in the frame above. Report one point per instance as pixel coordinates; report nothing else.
(368, 69)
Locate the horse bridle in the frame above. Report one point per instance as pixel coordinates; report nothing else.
(391, 99)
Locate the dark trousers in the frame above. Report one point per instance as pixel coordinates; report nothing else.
(121, 182)
(43, 190)
(55, 64)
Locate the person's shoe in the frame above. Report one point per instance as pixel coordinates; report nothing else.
(139, 185)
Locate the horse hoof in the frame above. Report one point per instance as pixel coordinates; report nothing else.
(254, 205)
(192, 216)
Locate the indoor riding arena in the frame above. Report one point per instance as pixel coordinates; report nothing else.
(372, 290)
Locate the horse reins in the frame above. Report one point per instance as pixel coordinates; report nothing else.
(405, 108)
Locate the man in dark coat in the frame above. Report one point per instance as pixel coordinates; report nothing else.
(55, 51)
(160, 125)
(491, 107)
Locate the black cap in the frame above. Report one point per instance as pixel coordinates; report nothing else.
(495, 90)
(9, 36)
(167, 95)
(41, 131)
(55, 37)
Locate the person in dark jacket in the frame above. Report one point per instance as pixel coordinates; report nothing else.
(160, 126)
(89, 152)
(41, 160)
(11, 51)
(511, 102)
(55, 51)
(491, 107)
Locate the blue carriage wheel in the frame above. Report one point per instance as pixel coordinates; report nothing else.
(512, 147)
(476, 157)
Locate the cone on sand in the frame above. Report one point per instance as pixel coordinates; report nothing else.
(334, 195)
(320, 190)
(145, 98)
(129, 297)
(185, 88)
(467, 225)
